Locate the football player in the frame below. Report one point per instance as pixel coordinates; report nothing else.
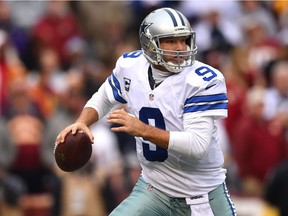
(172, 104)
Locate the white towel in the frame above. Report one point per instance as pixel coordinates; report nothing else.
(199, 205)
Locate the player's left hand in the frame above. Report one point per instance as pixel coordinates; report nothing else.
(128, 123)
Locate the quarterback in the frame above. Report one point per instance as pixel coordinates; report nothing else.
(172, 102)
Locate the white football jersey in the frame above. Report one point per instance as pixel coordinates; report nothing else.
(199, 90)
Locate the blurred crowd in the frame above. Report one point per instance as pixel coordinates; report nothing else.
(55, 54)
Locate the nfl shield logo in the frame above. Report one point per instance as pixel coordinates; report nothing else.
(151, 97)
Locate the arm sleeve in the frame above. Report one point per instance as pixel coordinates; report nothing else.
(100, 102)
(194, 141)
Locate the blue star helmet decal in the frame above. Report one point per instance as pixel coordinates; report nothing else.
(144, 26)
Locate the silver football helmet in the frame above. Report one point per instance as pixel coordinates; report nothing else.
(167, 22)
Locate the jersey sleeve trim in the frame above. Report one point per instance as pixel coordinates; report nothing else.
(206, 102)
(116, 88)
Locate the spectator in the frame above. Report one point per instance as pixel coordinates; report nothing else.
(55, 28)
(262, 47)
(217, 24)
(25, 14)
(258, 11)
(237, 74)
(105, 25)
(230, 10)
(253, 140)
(217, 33)
(12, 187)
(283, 24)
(49, 83)
(26, 128)
(276, 103)
(276, 99)
(11, 68)
(18, 36)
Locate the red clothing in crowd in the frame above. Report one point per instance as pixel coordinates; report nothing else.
(54, 32)
(3, 87)
(256, 148)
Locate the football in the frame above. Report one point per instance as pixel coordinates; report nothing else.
(74, 152)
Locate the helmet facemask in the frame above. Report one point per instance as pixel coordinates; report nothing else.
(185, 58)
(151, 34)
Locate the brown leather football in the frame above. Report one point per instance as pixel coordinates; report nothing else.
(74, 152)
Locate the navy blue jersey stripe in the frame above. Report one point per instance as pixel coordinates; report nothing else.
(115, 90)
(181, 18)
(206, 98)
(197, 108)
(172, 17)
